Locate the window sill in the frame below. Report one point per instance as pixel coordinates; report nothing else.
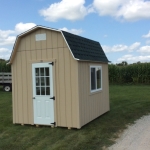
(95, 92)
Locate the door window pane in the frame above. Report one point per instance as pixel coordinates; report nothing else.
(42, 81)
(42, 90)
(41, 71)
(37, 81)
(47, 90)
(47, 71)
(37, 71)
(38, 91)
(47, 81)
(93, 83)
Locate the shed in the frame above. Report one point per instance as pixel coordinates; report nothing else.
(58, 78)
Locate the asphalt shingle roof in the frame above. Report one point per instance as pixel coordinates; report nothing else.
(85, 49)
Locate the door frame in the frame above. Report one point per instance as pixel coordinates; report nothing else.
(54, 86)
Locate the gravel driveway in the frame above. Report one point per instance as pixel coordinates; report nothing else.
(135, 137)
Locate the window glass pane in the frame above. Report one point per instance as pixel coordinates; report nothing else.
(47, 81)
(37, 71)
(38, 91)
(47, 90)
(98, 73)
(41, 71)
(37, 81)
(93, 80)
(42, 90)
(47, 71)
(42, 81)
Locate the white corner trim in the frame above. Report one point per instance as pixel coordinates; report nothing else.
(68, 45)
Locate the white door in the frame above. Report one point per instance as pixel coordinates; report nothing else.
(43, 98)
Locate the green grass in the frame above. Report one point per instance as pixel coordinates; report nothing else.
(127, 103)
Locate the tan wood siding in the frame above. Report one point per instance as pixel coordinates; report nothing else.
(54, 53)
(65, 80)
(13, 94)
(62, 89)
(15, 86)
(29, 87)
(19, 88)
(24, 87)
(75, 93)
(95, 104)
(49, 43)
(68, 93)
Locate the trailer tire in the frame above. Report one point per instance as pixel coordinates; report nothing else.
(7, 88)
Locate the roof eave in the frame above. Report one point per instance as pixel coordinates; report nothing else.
(94, 61)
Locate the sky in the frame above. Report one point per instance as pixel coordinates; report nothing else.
(122, 27)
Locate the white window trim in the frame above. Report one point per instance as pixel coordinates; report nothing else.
(96, 90)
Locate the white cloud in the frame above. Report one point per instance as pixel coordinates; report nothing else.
(148, 42)
(66, 9)
(147, 35)
(133, 59)
(22, 27)
(74, 31)
(2, 50)
(8, 37)
(129, 10)
(144, 50)
(120, 47)
(107, 7)
(106, 48)
(5, 33)
(115, 48)
(7, 41)
(105, 36)
(4, 53)
(134, 46)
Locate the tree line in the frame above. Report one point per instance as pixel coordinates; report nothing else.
(4, 67)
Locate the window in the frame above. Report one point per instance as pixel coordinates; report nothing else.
(96, 78)
(42, 81)
(40, 37)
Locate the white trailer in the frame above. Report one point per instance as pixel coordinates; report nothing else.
(6, 81)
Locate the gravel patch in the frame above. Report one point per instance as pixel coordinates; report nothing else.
(135, 137)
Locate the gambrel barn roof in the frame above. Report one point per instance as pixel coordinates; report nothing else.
(85, 49)
(81, 48)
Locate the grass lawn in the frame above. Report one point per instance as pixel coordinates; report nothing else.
(127, 103)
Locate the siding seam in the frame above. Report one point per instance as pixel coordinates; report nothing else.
(22, 90)
(70, 92)
(65, 86)
(17, 90)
